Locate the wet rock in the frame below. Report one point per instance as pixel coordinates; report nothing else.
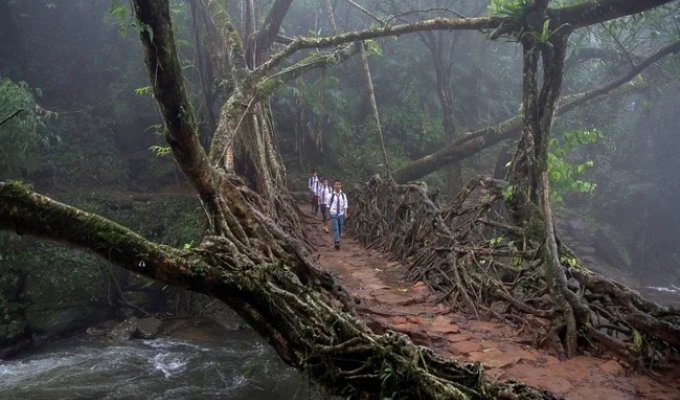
(11, 330)
(54, 321)
(147, 328)
(578, 229)
(224, 316)
(142, 299)
(458, 337)
(124, 330)
(95, 331)
(608, 249)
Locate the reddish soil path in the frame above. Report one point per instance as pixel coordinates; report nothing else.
(386, 302)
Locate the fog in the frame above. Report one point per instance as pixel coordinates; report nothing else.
(94, 122)
(79, 121)
(82, 67)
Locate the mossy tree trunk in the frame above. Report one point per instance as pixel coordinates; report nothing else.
(246, 259)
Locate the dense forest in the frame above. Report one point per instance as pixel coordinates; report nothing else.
(518, 155)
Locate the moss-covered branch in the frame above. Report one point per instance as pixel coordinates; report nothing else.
(593, 12)
(26, 212)
(301, 43)
(316, 61)
(287, 307)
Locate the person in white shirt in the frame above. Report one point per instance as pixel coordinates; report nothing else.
(324, 193)
(312, 185)
(337, 206)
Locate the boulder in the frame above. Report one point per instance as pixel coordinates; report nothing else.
(124, 330)
(147, 328)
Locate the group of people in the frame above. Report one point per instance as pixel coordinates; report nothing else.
(332, 203)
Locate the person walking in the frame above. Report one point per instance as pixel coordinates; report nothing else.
(337, 205)
(324, 194)
(312, 185)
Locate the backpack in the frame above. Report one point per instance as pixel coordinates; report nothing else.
(344, 199)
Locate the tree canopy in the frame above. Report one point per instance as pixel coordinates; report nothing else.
(253, 255)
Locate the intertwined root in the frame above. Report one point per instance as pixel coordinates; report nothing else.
(483, 264)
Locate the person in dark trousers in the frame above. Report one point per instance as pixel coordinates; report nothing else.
(337, 206)
(324, 193)
(312, 185)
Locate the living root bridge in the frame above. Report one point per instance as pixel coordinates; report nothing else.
(293, 304)
(480, 263)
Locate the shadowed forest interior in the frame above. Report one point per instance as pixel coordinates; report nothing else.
(506, 162)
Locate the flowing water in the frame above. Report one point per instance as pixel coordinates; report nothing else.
(205, 364)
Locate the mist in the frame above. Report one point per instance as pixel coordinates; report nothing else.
(82, 121)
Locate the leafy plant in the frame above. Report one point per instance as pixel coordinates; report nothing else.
(160, 151)
(119, 13)
(564, 175)
(372, 47)
(20, 133)
(140, 91)
(512, 9)
(387, 372)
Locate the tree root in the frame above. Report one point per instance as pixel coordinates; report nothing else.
(467, 254)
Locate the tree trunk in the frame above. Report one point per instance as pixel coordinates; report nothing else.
(374, 108)
(442, 68)
(259, 268)
(471, 143)
(281, 294)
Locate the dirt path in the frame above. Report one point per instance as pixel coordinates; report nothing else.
(386, 302)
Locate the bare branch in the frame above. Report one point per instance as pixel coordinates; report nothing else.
(364, 10)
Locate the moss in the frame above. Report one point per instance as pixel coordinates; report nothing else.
(268, 87)
(235, 41)
(56, 287)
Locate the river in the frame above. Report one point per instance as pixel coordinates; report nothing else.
(193, 363)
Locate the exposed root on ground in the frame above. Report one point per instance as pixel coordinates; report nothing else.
(481, 263)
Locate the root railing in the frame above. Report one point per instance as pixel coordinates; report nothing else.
(479, 262)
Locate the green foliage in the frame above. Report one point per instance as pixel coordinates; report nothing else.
(372, 47)
(496, 241)
(21, 134)
(637, 340)
(144, 90)
(387, 372)
(119, 14)
(507, 192)
(563, 173)
(512, 9)
(312, 58)
(86, 149)
(568, 261)
(160, 151)
(315, 33)
(542, 37)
